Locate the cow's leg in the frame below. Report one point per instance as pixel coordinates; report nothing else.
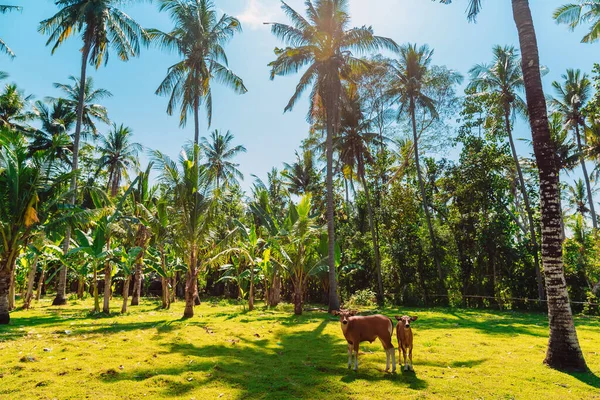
(349, 355)
(387, 354)
(393, 356)
(410, 356)
(405, 362)
(356, 356)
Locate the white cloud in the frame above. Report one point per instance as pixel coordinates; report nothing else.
(257, 12)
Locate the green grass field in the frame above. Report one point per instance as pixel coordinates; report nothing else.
(225, 352)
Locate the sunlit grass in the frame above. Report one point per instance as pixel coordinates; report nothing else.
(225, 352)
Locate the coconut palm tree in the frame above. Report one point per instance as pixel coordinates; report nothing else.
(323, 43)
(57, 120)
(219, 152)
(504, 78)
(354, 147)
(103, 26)
(412, 75)
(14, 105)
(573, 94)
(118, 154)
(192, 216)
(3, 46)
(198, 37)
(584, 12)
(93, 112)
(300, 177)
(563, 350)
(20, 179)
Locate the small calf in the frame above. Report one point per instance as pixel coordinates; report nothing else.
(405, 339)
(359, 329)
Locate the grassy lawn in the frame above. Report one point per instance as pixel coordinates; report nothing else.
(227, 353)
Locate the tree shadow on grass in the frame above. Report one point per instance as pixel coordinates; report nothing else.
(589, 378)
(304, 363)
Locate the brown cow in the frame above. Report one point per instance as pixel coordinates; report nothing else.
(405, 339)
(367, 329)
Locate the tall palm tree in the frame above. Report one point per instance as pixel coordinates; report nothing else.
(323, 43)
(563, 350)
(578, 198)
(354, 146)
(118, 154)
(102, 26)
(411, 73)
(300, 177)
(573, 94)
(93, 112)
(219, 152)
(192, 215)
(198, 37)
(504, 78)
(20, 179)
(3, 46)
(586, 11)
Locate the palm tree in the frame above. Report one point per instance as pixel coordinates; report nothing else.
(563, 350)
(118, 154)
(57, 120)
(219, 153)
(19, 184)
(102, 26)
(198, 37)
(504, 78)
(13, 108)
(300, 177)
(192, 216)
(587, 11)
(572, 96)
(3, 46)
(578, 198)
(93, 112)
(324, 44)
(411, 73)
(354, 146)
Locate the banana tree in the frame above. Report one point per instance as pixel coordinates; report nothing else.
(127, 263)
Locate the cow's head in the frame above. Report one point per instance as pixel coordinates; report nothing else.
(405, 320)
(345, 315)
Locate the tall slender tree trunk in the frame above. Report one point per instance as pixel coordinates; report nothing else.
(11, 291)
(586, 177)
(196, 128)
(190, 287)
(251, 291)
(107, 282)
(141, 239)
(96, 299)
(30, 283)
(380, 297)
(165, 293)
(563, 346)
(332, 100)
(61, 294)
(125, 293)
(441, 283)
(534, 242)
(298, 298)
(4, 285)
(38, 294)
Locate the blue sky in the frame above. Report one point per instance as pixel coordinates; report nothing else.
(256, 118)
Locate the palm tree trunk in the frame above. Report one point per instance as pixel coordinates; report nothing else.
(96, 299)
(563, 346)
(298, 298)
(586, 177)
(332, 101)
(4, 285)
(140, 241)
(61, 294)
(107, 282)
(11, 291)
(251, 292)
(534, 242)
(196, 127)
(30, 283)
(380, 299)
(191, 279)
(125, 294)
(441, 284)
(80, 287)
(165, 292)
(38, 293)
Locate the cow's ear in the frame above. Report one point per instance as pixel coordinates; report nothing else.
(413, 318)
(335, 312)
(398, 318)
(353, 312)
